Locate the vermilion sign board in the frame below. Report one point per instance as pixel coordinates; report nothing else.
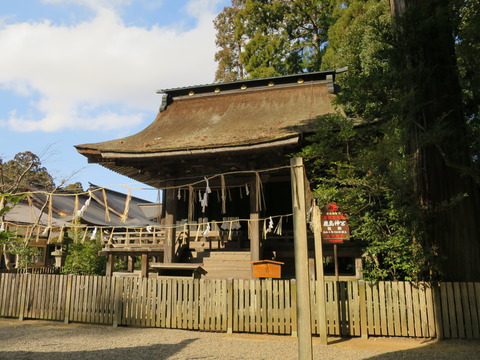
(335, 228)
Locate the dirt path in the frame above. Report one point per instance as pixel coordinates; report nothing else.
(54, 340)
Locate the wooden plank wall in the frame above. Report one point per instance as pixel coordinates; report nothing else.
(263, 306)
(459, 310)
(447, 310)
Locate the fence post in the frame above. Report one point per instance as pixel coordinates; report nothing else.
(293, 293)
(320, 276)
(363, 309)
(68, 300)
(23, 296)
(229, 306)
(437, 309)
(117, 302)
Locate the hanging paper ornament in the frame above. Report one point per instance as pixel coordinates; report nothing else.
(45, 231)
(225, 223)
(84, 207)
(204, 201)
(94, 233)
(236, 224)
(207, 190)
(207, 230)
(270, 225)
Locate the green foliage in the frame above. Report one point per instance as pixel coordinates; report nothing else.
(467, 46)
(82, 254)
(228, 56)
(361, 40)
(24, 171)
(402, 84)
(9, 241)
(8, 202)
(83, 259)
(363, 168)
(271, 37)
(74, 188)
(26, 254)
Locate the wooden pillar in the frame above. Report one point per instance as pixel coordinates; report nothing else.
(144, 269)
(358, 268)
(254, 233)
(301, 260)
(109, 270)
(170, 216)
(131, 263)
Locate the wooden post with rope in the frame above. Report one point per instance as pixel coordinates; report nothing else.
(301, 260)
(320, 279)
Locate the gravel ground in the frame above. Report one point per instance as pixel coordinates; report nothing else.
(55, 340)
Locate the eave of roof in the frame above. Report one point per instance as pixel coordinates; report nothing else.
(249, 83)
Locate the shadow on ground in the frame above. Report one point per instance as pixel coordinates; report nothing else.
(158, 351)
(450, 349)
(410, 349)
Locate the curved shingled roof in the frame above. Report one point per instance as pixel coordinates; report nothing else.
(223, 117)
(257, 114)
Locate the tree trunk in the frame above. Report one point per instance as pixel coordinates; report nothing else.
(436, 132)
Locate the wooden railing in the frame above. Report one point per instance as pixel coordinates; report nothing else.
(134, 236)
(446, 310)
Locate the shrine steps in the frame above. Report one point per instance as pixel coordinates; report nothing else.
(225, 264)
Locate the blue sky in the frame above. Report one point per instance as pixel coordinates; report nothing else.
(82, 71)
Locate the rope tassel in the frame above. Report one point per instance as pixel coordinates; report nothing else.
(107, 212)
(127, 206)
(278, 228)
(224, 198)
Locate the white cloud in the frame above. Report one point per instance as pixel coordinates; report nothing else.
(92, 4)
(99, 64)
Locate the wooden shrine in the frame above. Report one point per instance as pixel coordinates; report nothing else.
(220, 153)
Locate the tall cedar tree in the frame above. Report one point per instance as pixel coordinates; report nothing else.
(271, 37)
(229, 46)
(434, 117)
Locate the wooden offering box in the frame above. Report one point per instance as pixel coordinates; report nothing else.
(267, 269)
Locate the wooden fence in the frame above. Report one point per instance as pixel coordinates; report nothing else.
(448, 310)
(34, 270)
